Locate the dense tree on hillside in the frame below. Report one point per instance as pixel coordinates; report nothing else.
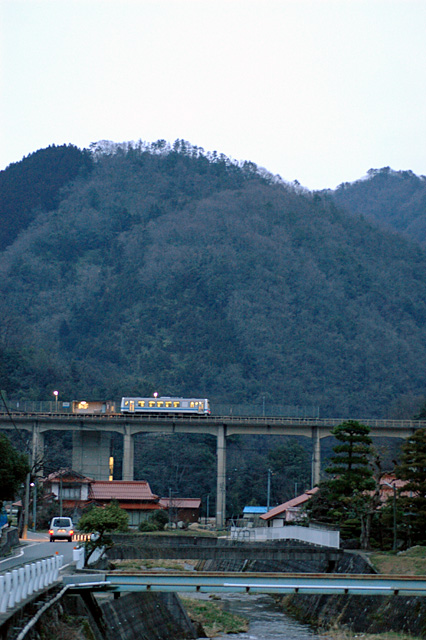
(34, 185)
(396, 199)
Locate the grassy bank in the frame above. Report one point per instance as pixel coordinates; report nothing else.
(213, 618)
(411, 562)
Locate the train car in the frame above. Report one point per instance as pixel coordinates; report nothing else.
(157, 405)
(92, 406)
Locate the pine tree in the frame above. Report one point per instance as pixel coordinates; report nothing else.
(413, 470)
(346, 498)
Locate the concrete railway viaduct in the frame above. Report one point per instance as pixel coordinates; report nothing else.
(92, 437)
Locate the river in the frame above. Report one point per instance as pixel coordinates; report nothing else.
(266, 620)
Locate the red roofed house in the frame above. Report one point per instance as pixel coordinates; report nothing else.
(288, 511)
(134, 496)
(182, 509)
(69, 487)
(387, 482)
(76, 492)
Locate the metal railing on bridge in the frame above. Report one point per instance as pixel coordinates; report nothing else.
(271, 583)
(222, 408)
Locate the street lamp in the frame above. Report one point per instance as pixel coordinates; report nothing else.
(392, 486)
(56, 393)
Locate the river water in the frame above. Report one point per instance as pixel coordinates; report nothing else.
(266, 620)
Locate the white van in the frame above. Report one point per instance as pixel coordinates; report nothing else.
(61, 528)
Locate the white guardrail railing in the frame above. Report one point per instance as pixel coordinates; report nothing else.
(18, 584)
(321, 537)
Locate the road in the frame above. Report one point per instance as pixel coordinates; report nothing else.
(37, 547)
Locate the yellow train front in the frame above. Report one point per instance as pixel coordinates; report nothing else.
(172, 406)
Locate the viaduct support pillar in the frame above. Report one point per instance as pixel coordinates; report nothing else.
(128, 454)
(221, 478)
(316, 457)
(90, 453)
(37, 450)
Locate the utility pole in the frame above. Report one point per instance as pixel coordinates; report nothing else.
(26, 505)
(268, 501)
(60, 494)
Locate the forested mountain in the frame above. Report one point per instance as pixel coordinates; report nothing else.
(395, 199)
(34, 185)
(165, 268)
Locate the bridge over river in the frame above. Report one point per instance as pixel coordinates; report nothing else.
(242, 582)
(92, 437)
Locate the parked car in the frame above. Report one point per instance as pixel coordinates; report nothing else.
(61, 528)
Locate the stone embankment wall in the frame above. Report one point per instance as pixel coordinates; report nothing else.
(361, 614)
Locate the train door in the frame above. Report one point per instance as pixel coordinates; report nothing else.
(131, 406)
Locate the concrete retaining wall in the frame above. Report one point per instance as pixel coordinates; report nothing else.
(9, 539)
(361, 614)
(312, 535)
(152, 616)
(158, 616)
(225, 551)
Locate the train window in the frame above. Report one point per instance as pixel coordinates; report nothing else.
(176, 404)
(192, 405)
(126, 403)
(141, 403)
(151, 403)
(168, 403)
(160, 403)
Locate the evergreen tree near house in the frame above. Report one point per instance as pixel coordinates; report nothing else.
(413, 502)
(347, 498)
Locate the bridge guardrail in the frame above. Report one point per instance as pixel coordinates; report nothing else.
(18, 584)
(213, 420)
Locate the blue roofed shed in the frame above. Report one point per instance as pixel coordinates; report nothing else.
(254, 511)
(252, 514)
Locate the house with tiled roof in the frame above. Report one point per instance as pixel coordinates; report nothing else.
(77, 492)
(182, 509)
(288, 512)
(68, 487)
(135, 497)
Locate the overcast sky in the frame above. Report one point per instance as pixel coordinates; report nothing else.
(317, 91)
